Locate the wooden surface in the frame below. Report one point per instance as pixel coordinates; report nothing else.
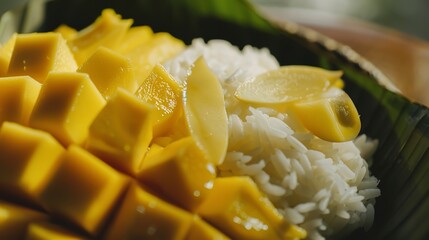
(402, 58)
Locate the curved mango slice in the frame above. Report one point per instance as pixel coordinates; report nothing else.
(48, 231)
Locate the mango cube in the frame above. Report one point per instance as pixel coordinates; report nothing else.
(190, 174)
(66, 31)
(17, 98)
(237, 208)
(37, 54)
(67, 105)
(200, 229)
(145, 216)
(14, 220)
(133, 38)
(6, 53)
(108, 30)
(28, 158)
(44, 230)
(109, 71)
(122, 131)
(83, 190)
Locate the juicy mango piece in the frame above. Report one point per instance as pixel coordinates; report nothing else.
(332, 116)
(37, 54)
(109, 71)
(66, 31)
(145, 216)
(18, 96)
(28, 158)
(67, 105)
(237, 208)
(159, 48)
(205, 113)
(134, 37)
(83, 189)
(108, 30)
(202, 230)
(14, 220)
(122, 131)
(48, 231)
(160, 89)
(6, 53)
(190, 174)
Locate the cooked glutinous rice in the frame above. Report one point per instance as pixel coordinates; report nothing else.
(323, 187)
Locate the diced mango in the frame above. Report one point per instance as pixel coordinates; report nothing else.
(153, 150)
(44, 230)
(134, 37)
(109, 71)
(160, 89)
(67, 105)
(159, 48)
(108, 30)
(205, 112)
(83, 190)
(237, 208)
(6, 53)
(37, 54)
(17, 98)
(28, 158)
(190, 174)
(202, 230)
(14, 220)
(66, 31)
(145, 216)
(122, 131)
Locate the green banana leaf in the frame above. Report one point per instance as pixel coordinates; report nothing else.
(402, 127)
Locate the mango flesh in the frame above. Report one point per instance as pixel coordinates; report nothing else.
(43, 230)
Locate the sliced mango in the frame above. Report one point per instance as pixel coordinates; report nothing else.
(66, 31)
(43, 230)
(134, 37)
(205, 113)
(159, 48)
(160, 89)
(6, 53)
(190, 174)
(28, 158)
(237, 208)
(122, 131)
(200, 229)
(18, 96)
(83, 190)
(332, 116)
(37, 54)
(145, 216)
(109, 71)
(108, 30)
(67, 105)
(14, 220)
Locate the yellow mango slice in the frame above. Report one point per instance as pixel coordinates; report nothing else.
(202, 230)
(108, 30)
(181, 172)
(159, 48)
(66, 31)
(160, 89)
(122, 131)
(37, 54)
(17, 98)
(83, 190)
(109, 70)
(14, 220)
(67, 105)
(28, 158)
(134, 37)
(331, 116)
(49, 231)
(6, 53)
(205, 113)
(237, 208)
(145, 216)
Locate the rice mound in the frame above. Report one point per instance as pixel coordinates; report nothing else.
(324, 187)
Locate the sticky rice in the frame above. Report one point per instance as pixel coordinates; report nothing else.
(324, 187)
